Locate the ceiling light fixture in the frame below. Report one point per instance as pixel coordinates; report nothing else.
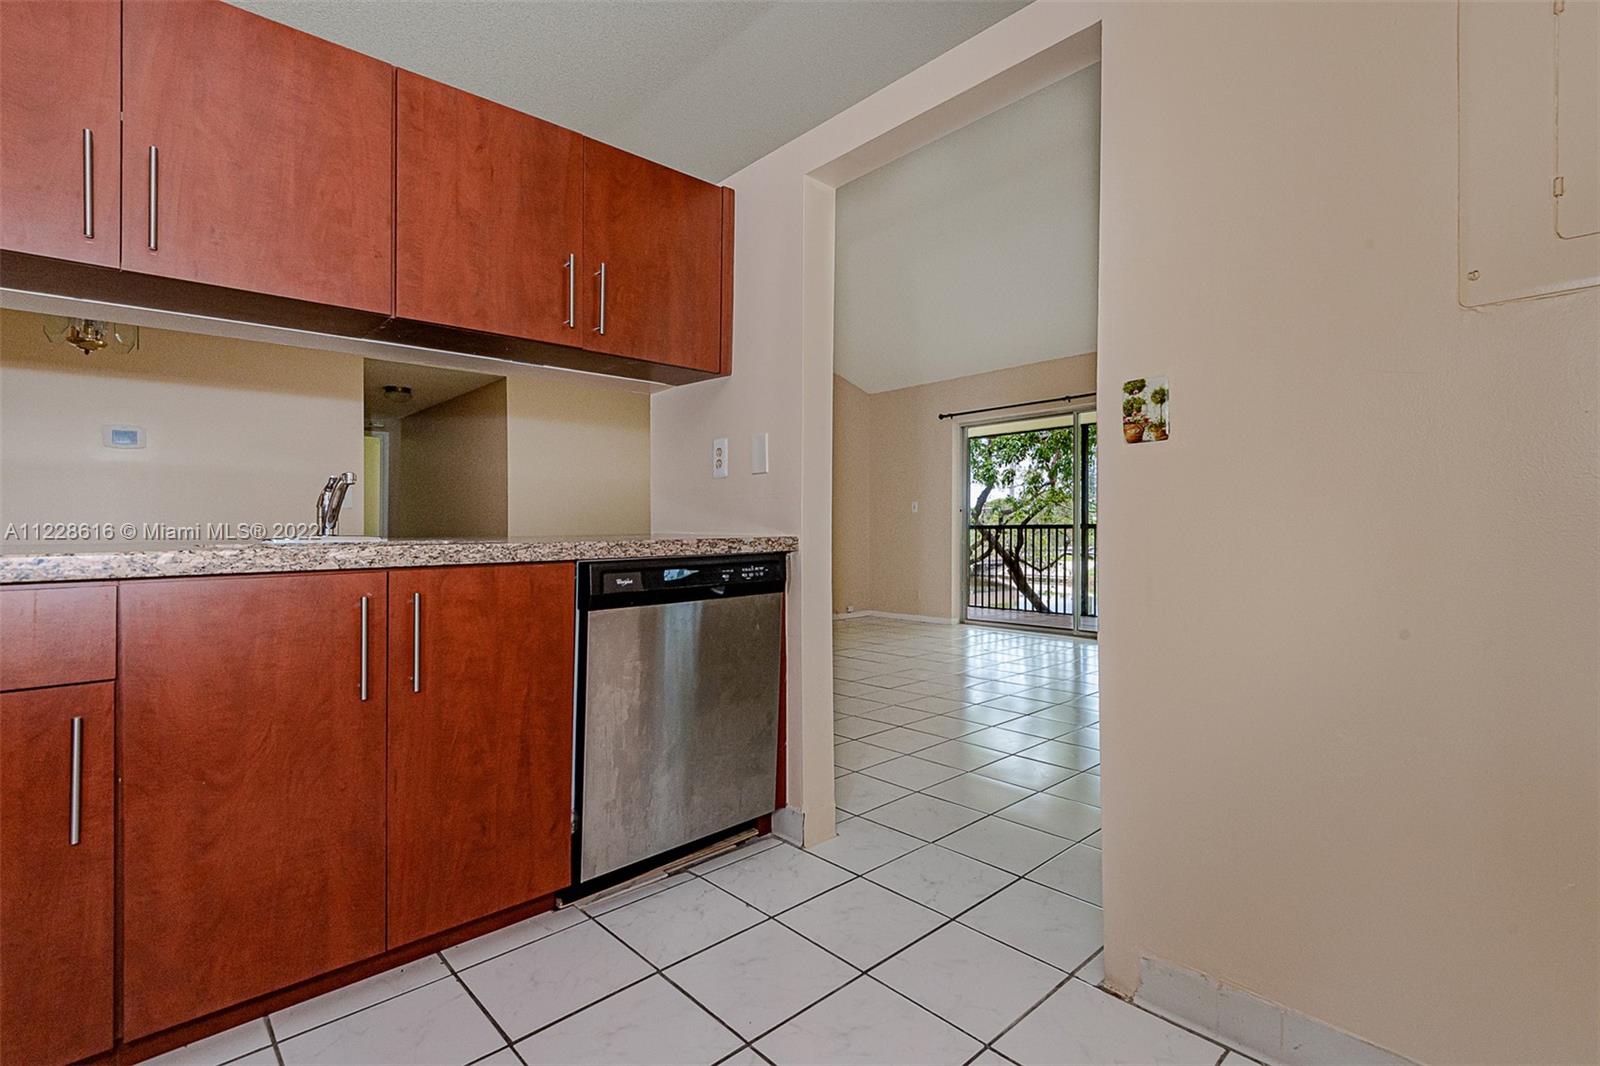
(397, 393)
(90, 335)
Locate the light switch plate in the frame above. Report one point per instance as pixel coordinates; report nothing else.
(719, 457)
(758, 454)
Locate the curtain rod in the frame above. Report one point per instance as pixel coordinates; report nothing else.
(1010, 406)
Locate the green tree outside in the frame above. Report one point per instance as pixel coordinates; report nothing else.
(1025, 479)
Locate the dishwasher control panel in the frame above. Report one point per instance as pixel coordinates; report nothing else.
(630, 582)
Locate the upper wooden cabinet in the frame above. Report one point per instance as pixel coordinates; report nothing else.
(302, 184)
(253, 720)
(489, 208)
(60, 94)
(653, 247)
(255, 157)
(480, 741)
(57, 873)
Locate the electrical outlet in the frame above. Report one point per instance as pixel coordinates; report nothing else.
(719, 457)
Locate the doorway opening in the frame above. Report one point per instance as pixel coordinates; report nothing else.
(1031, 522)
(436, 459)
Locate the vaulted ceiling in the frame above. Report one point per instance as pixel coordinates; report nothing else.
(707, 86)
(977, 252)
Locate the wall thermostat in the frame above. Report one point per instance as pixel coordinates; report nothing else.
(122, 436)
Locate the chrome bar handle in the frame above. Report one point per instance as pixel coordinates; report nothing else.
(363, 649)
(88, 183)
(572, 290)
(77, 782)
(416, 642)
(601, 274)
(154, 198)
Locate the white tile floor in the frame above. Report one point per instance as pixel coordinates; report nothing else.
(955, 918)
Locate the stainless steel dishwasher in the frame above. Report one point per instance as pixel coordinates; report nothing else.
(679, 672)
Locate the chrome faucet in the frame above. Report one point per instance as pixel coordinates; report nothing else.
(329, 500)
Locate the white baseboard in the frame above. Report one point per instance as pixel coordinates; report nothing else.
(789, 824)
(1274, 1034)
(932, 619)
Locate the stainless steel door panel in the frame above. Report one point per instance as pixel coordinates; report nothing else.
(680, 725)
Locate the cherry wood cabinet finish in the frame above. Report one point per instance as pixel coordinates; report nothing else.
(489, 206)
(725, 365)
(60, 74)
(480, 742)
(57, 899)
(57, 635)
(252, 787)
(167, 1040)
(659, 235)
(275, 156)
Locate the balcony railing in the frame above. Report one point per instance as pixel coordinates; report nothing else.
(1030, 569)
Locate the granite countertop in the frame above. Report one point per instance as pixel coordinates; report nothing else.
(23, 563)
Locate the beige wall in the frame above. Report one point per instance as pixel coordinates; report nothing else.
(579, 456)
(246, 431)
(1352, 712)
(1352, 747)
(449, 467)
(852, 497)
(887, 557)
(238, 431)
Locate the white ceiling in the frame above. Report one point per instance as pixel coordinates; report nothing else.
(429, 385)
(977, 252)
(707, 86)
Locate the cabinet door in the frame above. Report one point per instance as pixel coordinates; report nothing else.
(57, 874)
(489, 212)
(252, 794)
(255, 156)
(57, 635)
(60, 138)
(657, 234)
(480, 741)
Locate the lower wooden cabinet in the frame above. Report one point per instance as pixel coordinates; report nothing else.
(253, 782)
(57, 873)
(480, 741)
(315, 769)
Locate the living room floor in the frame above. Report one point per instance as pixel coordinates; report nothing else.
(954, 919)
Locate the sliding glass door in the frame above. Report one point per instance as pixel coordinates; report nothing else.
(1031, 522)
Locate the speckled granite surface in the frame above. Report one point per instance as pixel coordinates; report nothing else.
(20, 564)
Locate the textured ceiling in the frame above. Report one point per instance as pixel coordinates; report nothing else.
(977, 252)
(707, 86)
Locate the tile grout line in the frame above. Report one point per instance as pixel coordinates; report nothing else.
(775, 918)
(272, 1039)
(859, 971)
(868, 972)
(479, 1004)
(661, 971)
(375, 1003)
(989, 1045)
